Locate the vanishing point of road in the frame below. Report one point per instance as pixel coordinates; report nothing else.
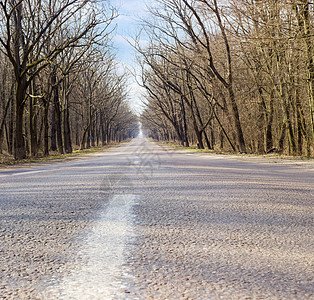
(144, 222)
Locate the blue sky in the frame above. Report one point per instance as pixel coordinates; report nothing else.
(130, 13)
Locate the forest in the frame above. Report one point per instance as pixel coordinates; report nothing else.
(59, 85)
(233, 75)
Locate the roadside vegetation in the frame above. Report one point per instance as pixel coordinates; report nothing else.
(232, 75)
(266, 157)
(59, 86)
(7, 160)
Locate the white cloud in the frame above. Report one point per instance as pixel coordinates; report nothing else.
(131, 7)
(124, 19)
(121, 40)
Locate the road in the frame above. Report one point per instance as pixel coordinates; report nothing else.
(145, 222)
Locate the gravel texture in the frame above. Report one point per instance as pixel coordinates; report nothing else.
(202, 226)
(46, 215)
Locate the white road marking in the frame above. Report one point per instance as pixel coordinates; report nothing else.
(99, 264)
(22, 173)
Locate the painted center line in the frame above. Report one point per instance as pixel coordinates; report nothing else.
(98, 267)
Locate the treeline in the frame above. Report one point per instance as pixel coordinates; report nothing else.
(235, 75)
(59, 86)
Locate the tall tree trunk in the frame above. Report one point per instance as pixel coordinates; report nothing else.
(89, 134)
(58, 116)
(19, 142)
(291, 136)
(10, 131)
(3, 122)
(66, 118)
(46, 127)
(269, 123)
(237, 123)
(83, 142)
(103, 135)
(33, 122)
(53, 130)
(198, 133)
(299, 132)
(185, 126)
(67, 131)
(77, 130)
(282, 136)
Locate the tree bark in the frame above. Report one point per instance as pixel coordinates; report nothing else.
(66, 118)
(46, 127)
(19, 142)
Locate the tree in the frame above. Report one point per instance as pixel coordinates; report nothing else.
(24, 26)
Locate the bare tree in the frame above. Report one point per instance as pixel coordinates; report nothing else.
(24, 28)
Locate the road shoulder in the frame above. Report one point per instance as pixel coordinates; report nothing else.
(264, 159)
(45, 161)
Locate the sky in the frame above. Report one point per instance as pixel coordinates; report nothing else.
(130, 12)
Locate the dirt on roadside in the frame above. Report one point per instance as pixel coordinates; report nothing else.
(8, 162)
(272, 158)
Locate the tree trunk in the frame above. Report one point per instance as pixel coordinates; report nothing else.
(67, 131)
(66, 119)
(33, 123)
(209, 146)
(10, 131)
(282, 136)
(46, 128)
(291, 137)
(299, 132)
(19, 142)
(269, 123)
(77, 131)
(237, 123)
(185, 126)
(83, 142)
(58, 123)
(53, 130)
(2, 127)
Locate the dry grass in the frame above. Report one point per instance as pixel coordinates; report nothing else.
(7, 160)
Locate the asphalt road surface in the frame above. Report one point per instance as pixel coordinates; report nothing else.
(144, 222)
